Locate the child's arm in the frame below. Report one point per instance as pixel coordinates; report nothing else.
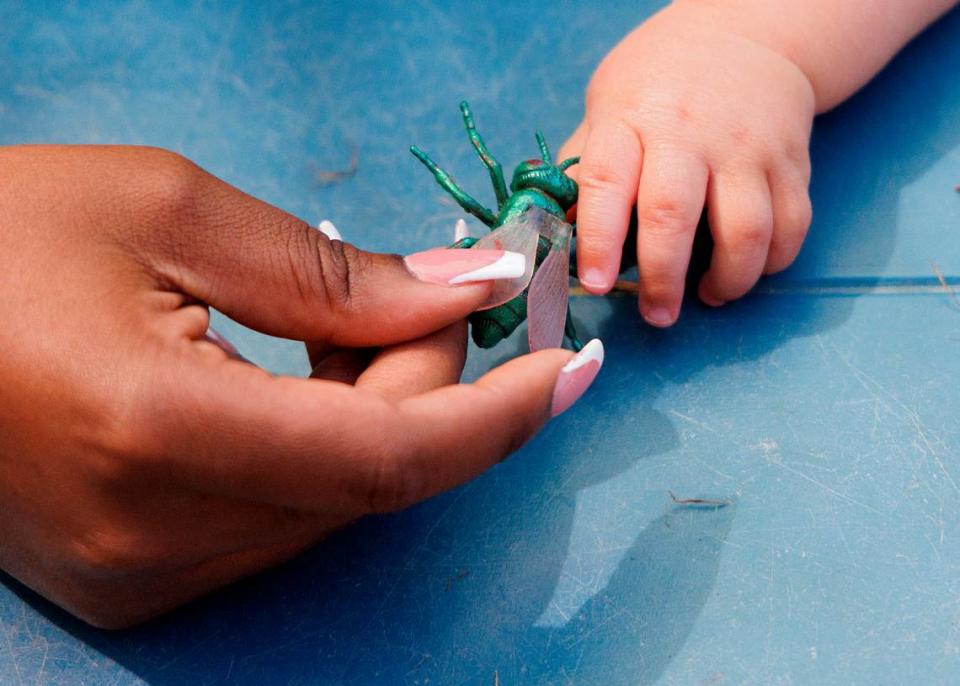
(711, 101)
(838, 44)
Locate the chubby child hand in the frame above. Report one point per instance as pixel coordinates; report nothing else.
(684, 112)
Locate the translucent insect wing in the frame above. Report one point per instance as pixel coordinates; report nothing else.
(549, 292)
(519, 235)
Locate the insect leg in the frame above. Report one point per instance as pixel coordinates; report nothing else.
(496, 171)
(571, 332)
(544, 150)
(451, 187)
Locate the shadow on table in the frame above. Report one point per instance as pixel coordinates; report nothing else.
(449, 591)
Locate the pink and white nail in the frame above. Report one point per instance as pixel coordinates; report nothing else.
(452, 266)
(576, 376)
(327, 228)
(460, 231)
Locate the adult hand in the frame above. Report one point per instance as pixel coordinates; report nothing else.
(141, 465)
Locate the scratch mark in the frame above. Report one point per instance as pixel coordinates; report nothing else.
(826, 488)
(693, 421)
(865, 381)
(13, 657)
(566, 617)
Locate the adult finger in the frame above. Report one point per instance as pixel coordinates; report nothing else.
(407, 369)
(271, 271)
(344, 365)
(669, 203)
(233, 430)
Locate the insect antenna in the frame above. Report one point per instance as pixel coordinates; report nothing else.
(544, 150)
(569, 162)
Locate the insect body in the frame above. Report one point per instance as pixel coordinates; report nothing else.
(531, 219)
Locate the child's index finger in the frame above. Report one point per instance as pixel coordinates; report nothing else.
(608, 176)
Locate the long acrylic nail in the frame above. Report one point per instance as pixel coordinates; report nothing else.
(460, 231)
(452, 266)
(576, 376)
(326, 227)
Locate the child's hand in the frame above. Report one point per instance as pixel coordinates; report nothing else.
(683, 112)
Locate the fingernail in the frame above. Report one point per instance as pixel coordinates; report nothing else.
(708, 299)
(452, 266)
(460, 231)
(576, 376)
(326, 227)
(658, 316)
(595, 280)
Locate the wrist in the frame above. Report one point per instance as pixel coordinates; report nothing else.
(761, 26)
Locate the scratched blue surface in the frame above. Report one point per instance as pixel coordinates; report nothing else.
(824, 406)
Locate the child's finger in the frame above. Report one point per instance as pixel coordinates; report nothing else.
(670, 200)
(608, 176)
(741, 222)
(792, 214)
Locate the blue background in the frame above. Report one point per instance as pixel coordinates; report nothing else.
(824, 406)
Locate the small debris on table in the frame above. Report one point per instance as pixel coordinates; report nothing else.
(703, 502)
(328, 177)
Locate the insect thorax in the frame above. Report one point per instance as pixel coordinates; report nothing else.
(523, 200)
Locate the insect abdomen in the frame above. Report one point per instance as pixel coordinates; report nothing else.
(489, 327)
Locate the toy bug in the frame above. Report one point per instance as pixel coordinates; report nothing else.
(531, 219)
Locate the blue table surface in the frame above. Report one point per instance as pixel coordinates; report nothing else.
(824, 406)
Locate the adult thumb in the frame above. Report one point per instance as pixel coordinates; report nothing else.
(275, 273)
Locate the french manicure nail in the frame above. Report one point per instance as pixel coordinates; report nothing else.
(460, 230)
(326, 227)
(576, 376)
(452, 266)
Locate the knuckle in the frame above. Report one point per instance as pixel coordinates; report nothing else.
(124, 442)
(108, 552)
(753, 233)
(659, 284)
(324, 270)
(748, 233)
(599, 177)
(666, 217)
(397, 481)
(797, 154)
(172, 184)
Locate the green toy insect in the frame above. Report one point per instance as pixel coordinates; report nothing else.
(531, 220)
